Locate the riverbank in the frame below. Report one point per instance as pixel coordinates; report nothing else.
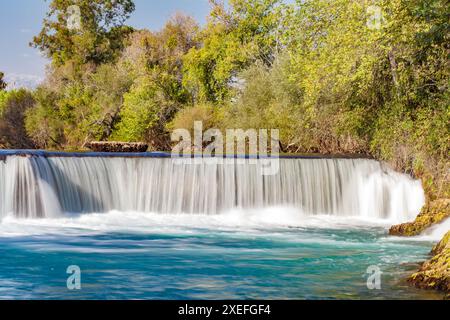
(435, 272)
(432, 213)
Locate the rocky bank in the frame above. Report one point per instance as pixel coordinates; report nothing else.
(435, 272)
(432, 213)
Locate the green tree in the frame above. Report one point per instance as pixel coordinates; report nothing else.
(381, 90)
(12, 126)
(97, 39)
(339, 76)
(43, 122)
(155, 60)
(3, 84)
(237, 34)
(3, 93)
(83, 94)
(266, 99)
(139, 113)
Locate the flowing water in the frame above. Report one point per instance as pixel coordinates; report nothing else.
(40, 186)
(146, 227)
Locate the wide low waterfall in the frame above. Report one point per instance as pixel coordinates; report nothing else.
(39, 185)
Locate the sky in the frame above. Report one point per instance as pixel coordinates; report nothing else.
(20, 20)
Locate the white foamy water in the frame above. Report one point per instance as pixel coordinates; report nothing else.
(40, 186)
(437, 231)
(266, 221)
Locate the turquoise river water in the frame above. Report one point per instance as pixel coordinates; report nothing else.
(238, 255)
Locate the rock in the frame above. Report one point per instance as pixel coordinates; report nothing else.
(435, 273)
(114, 146)
(433, 212)
(442, 245)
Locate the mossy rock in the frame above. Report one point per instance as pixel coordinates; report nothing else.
(432, 213)
(442, 245)
(435, 273)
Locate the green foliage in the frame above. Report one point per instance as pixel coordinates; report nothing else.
(12, 126)
(382, 91)
(139, 113)
(3, 84)
(236, 35)
(206, 113)
(3, 98)
(43, 122)
(315, 69)
(265, 99)
(97, 41)
(156, 61)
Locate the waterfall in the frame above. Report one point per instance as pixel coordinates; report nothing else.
(437, 231)
(39, 185)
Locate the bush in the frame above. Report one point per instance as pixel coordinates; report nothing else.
(185, 118)
(12, 127)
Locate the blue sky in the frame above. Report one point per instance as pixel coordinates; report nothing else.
(20, 20)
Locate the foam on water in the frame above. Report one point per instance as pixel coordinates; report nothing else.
(238, 254)
(437, 231)
(265, 221)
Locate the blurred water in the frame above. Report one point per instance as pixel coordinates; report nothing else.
(39, 186)
(239, 255)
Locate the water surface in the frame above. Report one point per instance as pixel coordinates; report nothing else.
(240, 255)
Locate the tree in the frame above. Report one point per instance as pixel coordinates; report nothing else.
(107, 87)
(3, 93)
(3, 84)
(237, 35)
(43, 122)
(155, 60)
(381, 90)
(266, 99)
(96, 39)
(12, 127)
(339, 76)
(83, 94)
(139, 112)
